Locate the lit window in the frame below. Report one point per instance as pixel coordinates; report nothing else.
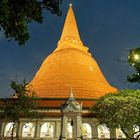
(86, 130)
(119, 133)
(73, 40)
(137, 130)
(90, 68)
(8, 130)
(47, 130)
(103, 132)
(28, 130)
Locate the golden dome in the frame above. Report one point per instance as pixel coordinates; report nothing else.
(70, 66)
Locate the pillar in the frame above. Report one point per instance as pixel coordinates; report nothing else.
(94, 131)
(2, 129)
(112, 133)
(37, 129)
(78, 127)
(64, 128)
(57, 129)
(18, 129)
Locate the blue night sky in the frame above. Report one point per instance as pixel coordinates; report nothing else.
(110, 28)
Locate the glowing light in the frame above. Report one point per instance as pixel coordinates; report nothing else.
(70, 4)
(91, 68)
(136, 57)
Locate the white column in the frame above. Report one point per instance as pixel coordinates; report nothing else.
(37, 129)
(78, 127)
(57, 129)
(20, 129)
(74, 128)
(112, 133)
(95, 131)
(2, 129)
(64, 128)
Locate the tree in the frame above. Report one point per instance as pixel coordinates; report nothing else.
(120, 110)
(134, 61)
(22, 104)
(15, 15)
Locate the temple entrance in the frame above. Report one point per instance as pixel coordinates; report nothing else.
(71, 122)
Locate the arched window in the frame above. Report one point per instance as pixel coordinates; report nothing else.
(69, 130)
(137, 130)
(8, 130)
(119, 133)
(47, 130)
(86, 130)
(28, 130)
(103, 132)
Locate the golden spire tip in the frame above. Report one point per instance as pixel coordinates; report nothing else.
(71, 93)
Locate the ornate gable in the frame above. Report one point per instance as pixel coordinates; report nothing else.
(71, 105)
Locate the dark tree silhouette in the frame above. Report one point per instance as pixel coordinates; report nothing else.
(15, 16)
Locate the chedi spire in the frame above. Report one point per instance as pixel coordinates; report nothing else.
(70, 36)
(70, 29)
(70, 65)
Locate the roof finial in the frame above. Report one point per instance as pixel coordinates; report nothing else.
(71, 93)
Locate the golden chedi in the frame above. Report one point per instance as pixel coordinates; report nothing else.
(70, 66)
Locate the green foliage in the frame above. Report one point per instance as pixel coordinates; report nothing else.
(22, 104)
(15, 15)
(121, 109)
(134, 61)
